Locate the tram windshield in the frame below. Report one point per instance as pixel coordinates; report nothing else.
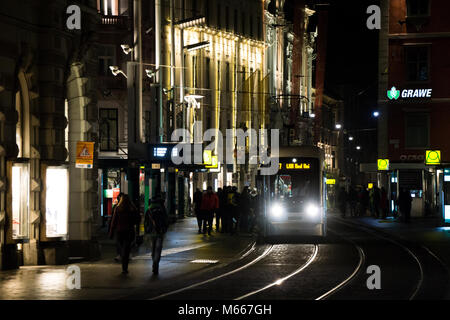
(295, 187)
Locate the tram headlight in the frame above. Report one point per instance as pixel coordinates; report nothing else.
(277, 210)
(312, 210)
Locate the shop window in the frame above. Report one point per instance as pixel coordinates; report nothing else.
(417, 130)
(108, 130)
(418, 8)
(106, 58)
(417, 63)
(20, 200)
(56, 203)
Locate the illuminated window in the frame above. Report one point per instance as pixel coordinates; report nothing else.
(108, 125)
(20, 200)
(56, 204)
(112, 7)
(417, 63)
(19, 126)
(418, 8)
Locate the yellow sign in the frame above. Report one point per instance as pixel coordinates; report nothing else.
(383, 164)
(85, 155)
(214, 162)
(207, 157)
(370, 186)
(433, 157)
(331, 181)
(295, 166)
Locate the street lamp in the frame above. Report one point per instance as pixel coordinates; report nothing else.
(115, 71)
(350, 138)
(126, 48)
(376, 114)
(358, 148)
(338, 126)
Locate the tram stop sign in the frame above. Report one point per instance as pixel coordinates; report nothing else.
(383, 164)
(433, 157)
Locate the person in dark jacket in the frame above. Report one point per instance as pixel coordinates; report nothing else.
(118, 249)
(244, 208)
(198, 195)
(210, 204)
(158, 229)
(124, 222)
(219, 210)
(404, 201)
(384, 203)
(342, 201)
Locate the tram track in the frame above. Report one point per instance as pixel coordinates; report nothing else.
(429, 265)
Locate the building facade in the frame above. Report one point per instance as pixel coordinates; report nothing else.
(414, 101)
(46, 107)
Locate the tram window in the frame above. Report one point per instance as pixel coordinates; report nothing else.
(295, 187)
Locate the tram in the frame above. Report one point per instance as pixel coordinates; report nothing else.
(293, 200)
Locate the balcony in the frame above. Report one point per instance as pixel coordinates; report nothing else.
(120, 21)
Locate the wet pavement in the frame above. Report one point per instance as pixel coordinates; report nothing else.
(103, 279)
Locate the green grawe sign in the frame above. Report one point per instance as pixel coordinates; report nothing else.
(393, 93)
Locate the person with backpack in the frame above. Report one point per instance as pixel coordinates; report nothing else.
(118, 249)
(210, 204)
(126, 218)
(156, 223)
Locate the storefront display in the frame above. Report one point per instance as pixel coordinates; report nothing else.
(57, 204)
(20, 200)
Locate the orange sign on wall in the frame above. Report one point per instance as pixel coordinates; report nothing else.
(85, 155)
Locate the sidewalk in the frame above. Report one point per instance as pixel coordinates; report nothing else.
(102, 279)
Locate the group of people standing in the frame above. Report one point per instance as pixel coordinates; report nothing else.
(233, 211)
(375, 200)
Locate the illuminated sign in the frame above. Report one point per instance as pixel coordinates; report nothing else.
(57, 201)
(394, 94)
(214, 163)
(370, 186)
(207, 157)
(85, 155)
(383, 164)
(331, 181)
(433, 157)
(159, 152)
(295, 166)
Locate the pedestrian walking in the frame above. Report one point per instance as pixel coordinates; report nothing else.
(384, 203)
(376, 201)
(116, 240)
(342, 201)
(198, 195)
(352, 200)
(244, 208)
(156, 224)
(404, 201)
(124, 223)
(219, 210)
(210, 204)
(234, 199)
(225, 207)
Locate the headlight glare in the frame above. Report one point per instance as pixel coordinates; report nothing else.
(312, 210)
